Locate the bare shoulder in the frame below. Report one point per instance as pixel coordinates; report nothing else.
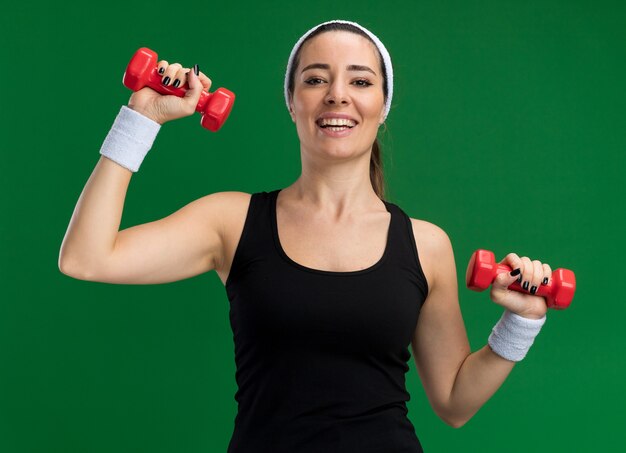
(430, 235)
(220, 209)
(230, 202)
(232, 207)
(434, 248)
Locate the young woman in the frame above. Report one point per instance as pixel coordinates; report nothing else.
(328, 282)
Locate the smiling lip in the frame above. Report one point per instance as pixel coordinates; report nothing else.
(327, 115)
(337, 134)
(331, 133)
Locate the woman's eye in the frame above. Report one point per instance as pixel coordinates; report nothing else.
(362, 83)
(313, 81)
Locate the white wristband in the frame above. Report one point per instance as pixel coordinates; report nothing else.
(130, 138)
(513, 335)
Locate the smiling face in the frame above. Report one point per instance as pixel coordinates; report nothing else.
(338, 101)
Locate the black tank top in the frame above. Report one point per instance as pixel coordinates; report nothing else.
(321, 356)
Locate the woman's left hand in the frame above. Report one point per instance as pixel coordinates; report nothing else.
(532, 274)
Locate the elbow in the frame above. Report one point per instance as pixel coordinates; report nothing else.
(455, 420)
(68, 269)
(64, 266)
(72, 269)
(66, 263)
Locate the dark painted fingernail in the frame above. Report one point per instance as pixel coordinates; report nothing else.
(545, 281)
(525, 285)
(166, 81)
(519, 279)
(196, 69)
(176, 83)
(533, 290)
(161, 70)
(515, 272)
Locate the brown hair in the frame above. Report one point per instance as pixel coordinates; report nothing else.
(376, 163)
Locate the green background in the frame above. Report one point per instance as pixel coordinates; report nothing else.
(507, 130)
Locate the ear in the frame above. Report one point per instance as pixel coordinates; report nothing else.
(291, 110)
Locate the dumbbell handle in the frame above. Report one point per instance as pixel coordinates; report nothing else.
(482, 271)
(154, 82)
(542, 290)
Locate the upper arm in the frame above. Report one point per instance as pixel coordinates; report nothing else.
(186, 243)
(440, 343)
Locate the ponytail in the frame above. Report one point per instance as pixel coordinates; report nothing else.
(376, 170)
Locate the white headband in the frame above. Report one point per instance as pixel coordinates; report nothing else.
(379, 45)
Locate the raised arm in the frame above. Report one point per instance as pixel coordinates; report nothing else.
(457, 382)
(183, 244)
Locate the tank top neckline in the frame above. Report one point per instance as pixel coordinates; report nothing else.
(283, 254)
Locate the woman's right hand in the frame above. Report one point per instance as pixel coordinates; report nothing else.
(165, 107)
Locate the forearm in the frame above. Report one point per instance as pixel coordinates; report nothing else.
(484, 371)
(96, 219)
(480, 375)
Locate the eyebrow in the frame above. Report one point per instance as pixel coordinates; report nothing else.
(352, 67)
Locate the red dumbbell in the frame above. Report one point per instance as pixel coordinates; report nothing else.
(482, 270)
(142, 71)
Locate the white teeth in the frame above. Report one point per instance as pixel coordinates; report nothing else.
(337, 122)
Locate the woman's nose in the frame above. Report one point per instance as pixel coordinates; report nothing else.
(336, 95)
